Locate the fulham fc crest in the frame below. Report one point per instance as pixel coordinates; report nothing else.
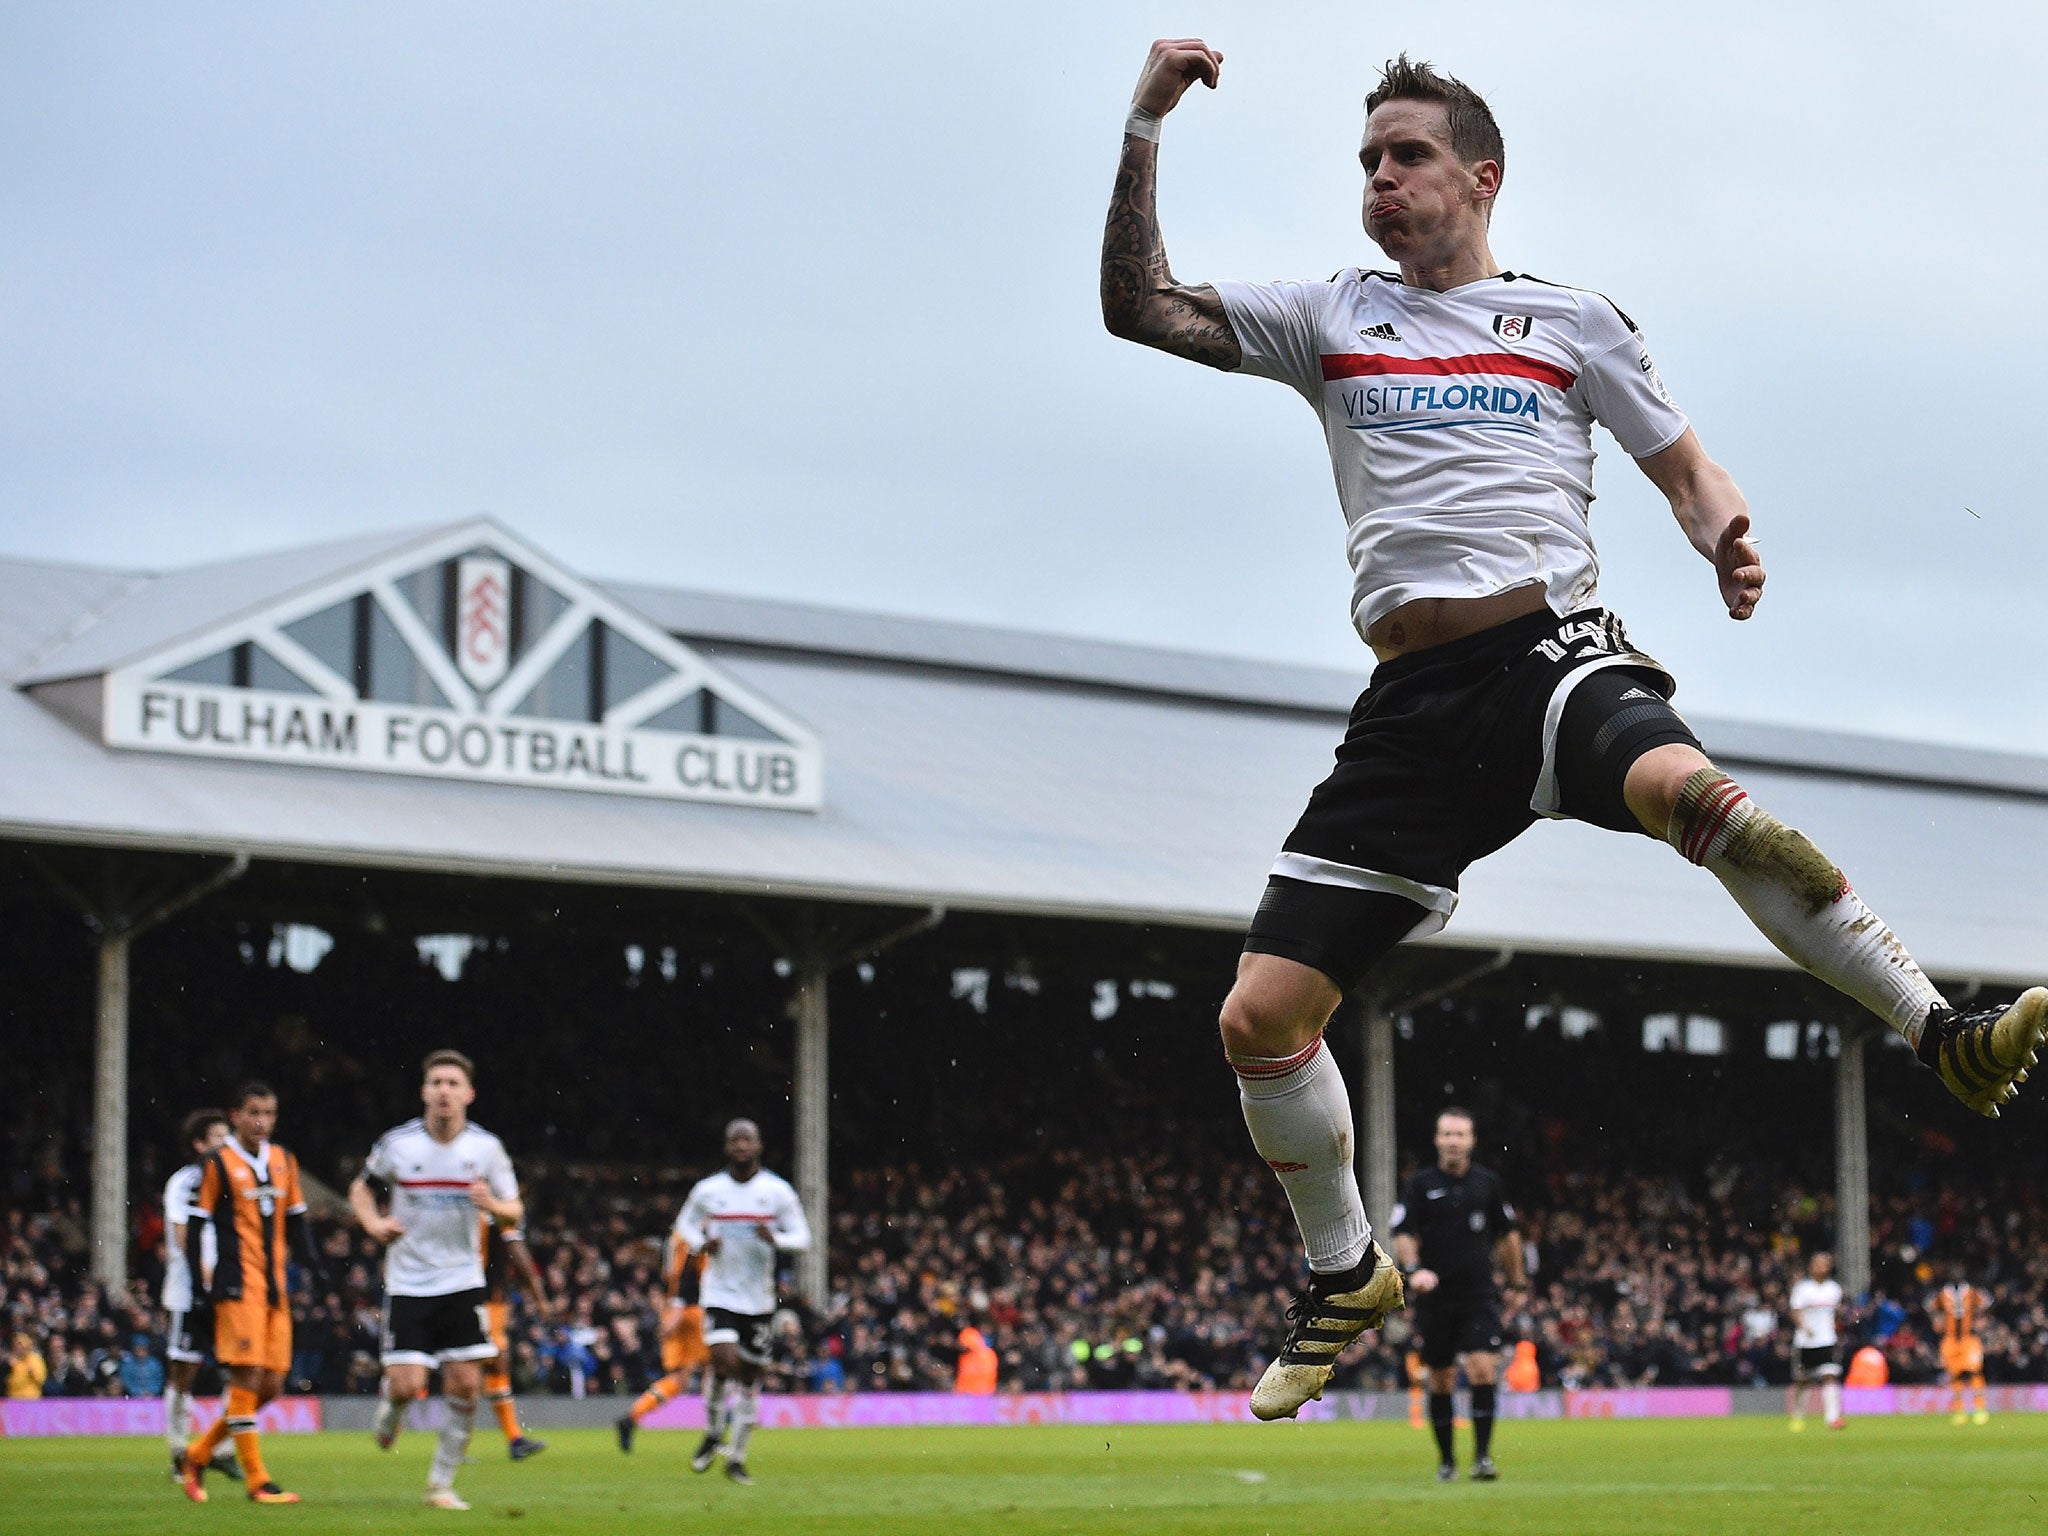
(483, 619)
(1513, 327)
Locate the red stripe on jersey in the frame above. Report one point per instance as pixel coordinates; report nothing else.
(742, 1215)
(434, 1183)
(1352, 365)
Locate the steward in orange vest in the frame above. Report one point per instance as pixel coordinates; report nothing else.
(976, 1372)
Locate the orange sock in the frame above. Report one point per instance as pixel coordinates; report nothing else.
(201, 1450)
(656, 1395)
(507, 1412)
(241, 1422)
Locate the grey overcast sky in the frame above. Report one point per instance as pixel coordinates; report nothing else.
(799, 301)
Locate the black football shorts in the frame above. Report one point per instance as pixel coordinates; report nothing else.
(1450, 754)
(1450, 1326)
(433, 1330)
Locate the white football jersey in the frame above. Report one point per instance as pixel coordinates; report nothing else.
(176, 1295)
(1459, 424)
(1812, 1304)
(740, 1277)
(439, 1253)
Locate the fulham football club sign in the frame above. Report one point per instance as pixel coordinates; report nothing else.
(467, 655)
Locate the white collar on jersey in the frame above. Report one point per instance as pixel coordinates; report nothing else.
(461, 1131)
(259, 1164)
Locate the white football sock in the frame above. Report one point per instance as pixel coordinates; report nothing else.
(714, 1405)
(746, 1410)
(1831, 1399)
(177, 1417)
(1300, 1119)
(452, 1444)
(390, 1415)
(1799, 900)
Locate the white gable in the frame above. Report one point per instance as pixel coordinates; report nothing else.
(464, 654)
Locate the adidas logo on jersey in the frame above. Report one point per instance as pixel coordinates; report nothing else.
(1381, 332)
(1640, 693)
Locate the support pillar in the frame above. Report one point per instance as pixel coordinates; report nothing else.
(1377, 1156)
(110, 1116)
(811, 1093)
(129, 905)
(1852, 1162)
(816, 944)
(1402, 988)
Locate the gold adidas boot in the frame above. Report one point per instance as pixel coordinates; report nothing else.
(1325, 1320)
(1983, 1054)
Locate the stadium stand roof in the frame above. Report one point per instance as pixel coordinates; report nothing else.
(979, 768)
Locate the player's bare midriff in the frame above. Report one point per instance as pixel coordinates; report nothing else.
(1428, 621)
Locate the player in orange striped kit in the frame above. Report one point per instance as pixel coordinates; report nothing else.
(505, 1255)
(1956, 1308)
(249, 1190)
(683, 1348)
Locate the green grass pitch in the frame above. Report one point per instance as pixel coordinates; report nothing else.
(1921, 1475)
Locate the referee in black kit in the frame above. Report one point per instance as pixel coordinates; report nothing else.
(1450, 1223)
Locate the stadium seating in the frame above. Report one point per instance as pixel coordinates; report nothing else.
(1092, 1269)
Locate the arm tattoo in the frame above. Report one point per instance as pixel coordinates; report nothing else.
(1140, 300)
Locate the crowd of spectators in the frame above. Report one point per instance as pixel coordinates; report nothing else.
(67, 1337)
(1645, 1281)
(1098, 1270)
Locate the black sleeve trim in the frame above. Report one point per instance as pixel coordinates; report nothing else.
(194, 1225)
(1634, 329)
(227, 1234)
(1524, 277)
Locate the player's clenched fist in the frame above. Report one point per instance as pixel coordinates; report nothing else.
(1174, 64)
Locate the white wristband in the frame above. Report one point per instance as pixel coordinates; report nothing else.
(1142, 124)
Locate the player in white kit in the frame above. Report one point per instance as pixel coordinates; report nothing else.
(742, 1220)
(189, 1244)
(1816, 1348)
(1457, 400)
(438, 1172)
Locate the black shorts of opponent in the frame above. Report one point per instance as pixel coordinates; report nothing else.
(188, 1336)
(1450, 1326)
(752, 1332)
(1451, 753)
(1816, 1362)
(433, 1330)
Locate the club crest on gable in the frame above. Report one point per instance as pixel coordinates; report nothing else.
(483, 619)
